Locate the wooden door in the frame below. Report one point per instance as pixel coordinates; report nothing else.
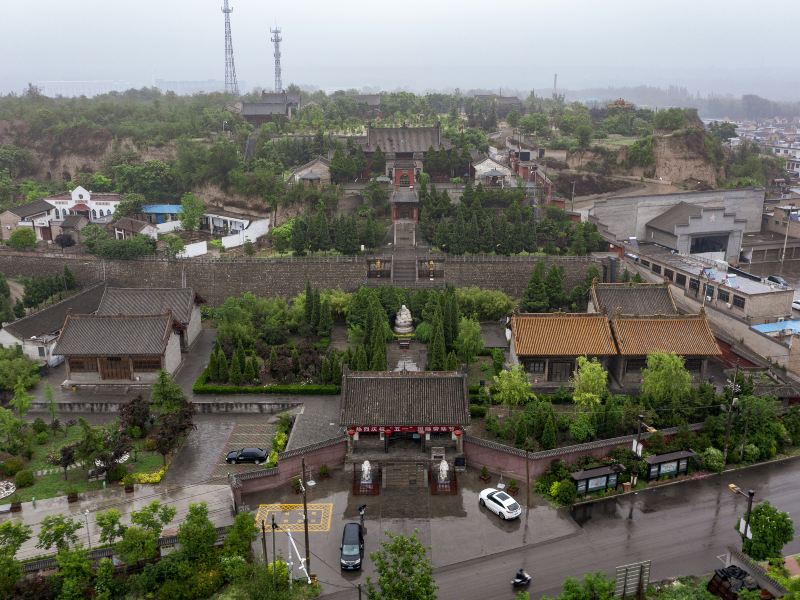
(115, 367)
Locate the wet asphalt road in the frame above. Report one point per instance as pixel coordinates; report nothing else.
(681, 528)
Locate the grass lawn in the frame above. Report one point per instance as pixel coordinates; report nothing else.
(54, 442)
(616, 141)
(474, 373)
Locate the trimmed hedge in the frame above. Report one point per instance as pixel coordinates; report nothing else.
(295, 389)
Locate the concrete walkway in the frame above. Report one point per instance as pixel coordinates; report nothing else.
(217, 497)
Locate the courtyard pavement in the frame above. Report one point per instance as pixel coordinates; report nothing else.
(454, 528)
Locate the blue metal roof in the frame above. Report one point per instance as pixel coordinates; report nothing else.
(171, 209)
(793, 325)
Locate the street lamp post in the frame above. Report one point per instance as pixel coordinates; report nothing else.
(750, 494)
(305, 516)
(88, 534)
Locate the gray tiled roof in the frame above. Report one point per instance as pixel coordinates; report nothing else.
(51, 319)
(128, 224)
(404, 196)
(148, 301)
(263, 108)
(405, 139)
(74, 222)
(404, 398)
(633, 298)
(91, 335)
(32, 208)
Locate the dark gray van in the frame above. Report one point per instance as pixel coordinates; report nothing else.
(352, 548)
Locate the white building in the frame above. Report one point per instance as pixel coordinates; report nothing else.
(97, 207)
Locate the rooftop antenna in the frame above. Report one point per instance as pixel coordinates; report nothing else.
(231, 85)
(276, 39)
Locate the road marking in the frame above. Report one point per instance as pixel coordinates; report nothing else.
(289, 517)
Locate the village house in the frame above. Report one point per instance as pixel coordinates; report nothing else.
(107, 349)
(36, 334)
(270, 106)
(315, 173)
(125, 228)
(182, 303)
(36, 215)
(97, 207)
(491, 173)
(72, 226)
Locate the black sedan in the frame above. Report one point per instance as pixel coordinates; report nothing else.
(247, 455)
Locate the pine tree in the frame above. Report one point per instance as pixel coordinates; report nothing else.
(325, 319)
(549, 439)
(19, 309)
(453, 316)
(534, 298)
(235, 376)
(325, 370)
(273, 361)
(308, 306)
(69, 279)
(240, 354)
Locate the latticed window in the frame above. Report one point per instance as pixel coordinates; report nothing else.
(83, 365)
(147, 363)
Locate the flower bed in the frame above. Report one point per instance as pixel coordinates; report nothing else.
(151, 478)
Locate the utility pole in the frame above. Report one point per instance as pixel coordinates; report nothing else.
(527, 477)
(274, 557)
(749, 495)
(734, 388)
(786, 236)
(264, 541)
(305, 517)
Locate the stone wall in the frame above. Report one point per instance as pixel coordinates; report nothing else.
(217, 279)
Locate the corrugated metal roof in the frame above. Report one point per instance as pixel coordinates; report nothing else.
(562, 334)
(404, 398)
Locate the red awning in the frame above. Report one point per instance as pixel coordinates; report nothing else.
(80, 208)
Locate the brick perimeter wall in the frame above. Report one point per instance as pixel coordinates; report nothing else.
(216, 280)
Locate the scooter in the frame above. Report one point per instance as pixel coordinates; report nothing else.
(521, 579)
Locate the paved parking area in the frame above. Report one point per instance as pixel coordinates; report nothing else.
(454, 528)
(244, 435)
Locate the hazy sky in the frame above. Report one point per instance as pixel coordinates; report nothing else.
(723, 46)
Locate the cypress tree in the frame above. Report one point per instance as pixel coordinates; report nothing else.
(360, 360)
(534, 298)
(250, 370)
(241, 355)
(325, 370)
(436, 349)
(325, 324)
(295, 361)
(549, 433)
(273, 361)
(308, 307)
(212, 370)
(235, 376)
(453, 316)
(315, 310)
(554, 284)
(377, 355)
(19, 308)
(452, 362)
(222, 367)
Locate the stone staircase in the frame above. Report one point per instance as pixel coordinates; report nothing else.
(404, 268)
(406, 474)
(405, 234)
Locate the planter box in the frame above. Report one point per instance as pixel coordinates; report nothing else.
(128, 488)
(72, 498)
(16, 507)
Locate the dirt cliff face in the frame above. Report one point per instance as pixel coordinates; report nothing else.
(680, 157)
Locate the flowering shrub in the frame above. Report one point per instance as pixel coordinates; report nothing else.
(151, 478)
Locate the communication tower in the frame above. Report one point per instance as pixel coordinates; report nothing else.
(277, 39)
(231, 85)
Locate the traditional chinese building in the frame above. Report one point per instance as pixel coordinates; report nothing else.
(424, 408)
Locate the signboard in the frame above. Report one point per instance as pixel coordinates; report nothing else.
(742, 528)
(407, 428)
(632, 580)
(636, 448)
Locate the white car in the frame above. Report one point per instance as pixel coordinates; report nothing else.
(500, 503)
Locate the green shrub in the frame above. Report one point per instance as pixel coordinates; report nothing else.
(751, 453)
(566, 492)
(492, 424)
(553, 490)
(39, 425)
(41, 438)
(201, 387)
(116, 473)
(424, 332)
(324, 471)
(477, 411)
(135, 432)
(279, 441)
(24, 479)
(150, 445)
(713, 460)
(12, 466)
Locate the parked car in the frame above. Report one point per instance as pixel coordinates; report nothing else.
(796, 304)
(778, 279)
(247, 455)
(500, 503)
(352, 548)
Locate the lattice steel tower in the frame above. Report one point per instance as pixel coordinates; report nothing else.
(277, 39)
(231, 85)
